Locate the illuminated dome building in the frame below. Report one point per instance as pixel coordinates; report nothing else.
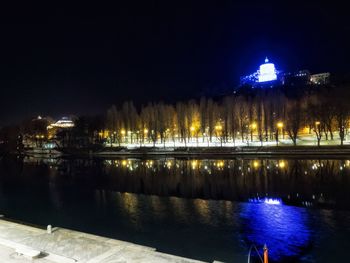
(268, 76)
(267, 72)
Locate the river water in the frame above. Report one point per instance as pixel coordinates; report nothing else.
(206, 209)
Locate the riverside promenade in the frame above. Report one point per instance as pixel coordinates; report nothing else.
(20, 244)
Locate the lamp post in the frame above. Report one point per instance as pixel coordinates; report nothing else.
(218, 129)
(318, 132)
(145, 134)
(279, 126)
(123, 134)
(130, 137)
(192, 129)
(194, 133)
(253, 127)
(114, 134)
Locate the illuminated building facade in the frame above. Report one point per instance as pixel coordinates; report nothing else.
(320, 79)
(63, 123)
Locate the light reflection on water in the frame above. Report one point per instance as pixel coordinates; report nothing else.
(108, 198)
(283, 228)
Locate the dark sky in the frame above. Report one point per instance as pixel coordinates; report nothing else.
(57, 60)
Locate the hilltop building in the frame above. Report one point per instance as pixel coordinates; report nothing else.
(268, 76)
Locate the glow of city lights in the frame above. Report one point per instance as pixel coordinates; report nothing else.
(281, 164)
(220, 164)
(218, 127)
(194, 164)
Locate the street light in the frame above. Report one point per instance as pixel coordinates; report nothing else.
(253, 127)
(281, 164)
(318, 132)
(218, 129)
(193, 133)
(123, 134)
(279, 126)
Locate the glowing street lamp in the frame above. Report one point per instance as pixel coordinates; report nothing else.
(281, 164)
(317, 131)
(279, 126)
(123, 134)
(218, 129)
(253, 127)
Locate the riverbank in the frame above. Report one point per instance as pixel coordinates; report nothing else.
(265, 151)
(20, 243)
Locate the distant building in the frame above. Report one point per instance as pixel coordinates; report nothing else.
(301, 77)
(320, 79)
(63, 123)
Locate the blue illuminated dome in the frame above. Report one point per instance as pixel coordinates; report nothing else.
(267, 72)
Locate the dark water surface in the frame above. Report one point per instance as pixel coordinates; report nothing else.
(202, 209)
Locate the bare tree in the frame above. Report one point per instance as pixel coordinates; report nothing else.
(293, 119)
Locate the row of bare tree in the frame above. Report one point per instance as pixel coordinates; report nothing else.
(261, 115)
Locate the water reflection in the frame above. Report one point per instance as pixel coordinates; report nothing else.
(138, 201)
(283, 228)
(320, 182)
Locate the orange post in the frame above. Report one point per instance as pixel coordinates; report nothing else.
(266, 254)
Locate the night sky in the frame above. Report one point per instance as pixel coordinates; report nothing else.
(60, 60)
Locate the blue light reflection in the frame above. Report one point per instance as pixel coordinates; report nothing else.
(283, 228)
(266, 200)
